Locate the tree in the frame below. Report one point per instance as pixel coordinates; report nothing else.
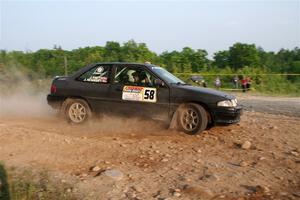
(50, 62)
(267, 60)
(112, 51)
(221, 59)
(199, 60)
(241, 55)
(171, 60)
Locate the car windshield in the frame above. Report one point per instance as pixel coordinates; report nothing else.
(167, 76)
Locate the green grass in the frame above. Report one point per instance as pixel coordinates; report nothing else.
(4, 187)
(267, 85)
(26, 185)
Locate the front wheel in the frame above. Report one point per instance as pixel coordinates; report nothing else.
(192, 118)
(76, 111)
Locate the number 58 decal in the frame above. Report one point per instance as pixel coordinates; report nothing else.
(149, 94)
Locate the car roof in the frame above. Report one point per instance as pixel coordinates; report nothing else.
(86, 68)
(124, 63)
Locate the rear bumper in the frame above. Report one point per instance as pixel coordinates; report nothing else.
(227, 115)
(55, 101)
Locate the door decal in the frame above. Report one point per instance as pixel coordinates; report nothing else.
(137, 93)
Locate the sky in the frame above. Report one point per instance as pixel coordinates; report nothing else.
(163, 25)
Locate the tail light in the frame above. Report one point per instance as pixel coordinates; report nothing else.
(53, 89)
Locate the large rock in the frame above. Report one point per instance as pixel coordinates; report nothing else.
(244, 164)
(137, 188)
(96, 168)
(294, 153)
(176, 194)
(114, 174)
(246, 145)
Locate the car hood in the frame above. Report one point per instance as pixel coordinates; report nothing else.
(207, 91)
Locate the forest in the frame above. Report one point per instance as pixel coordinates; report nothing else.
(271, 72)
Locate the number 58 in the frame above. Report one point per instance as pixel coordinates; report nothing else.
(149, 94)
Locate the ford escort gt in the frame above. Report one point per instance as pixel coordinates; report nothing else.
(146, 90)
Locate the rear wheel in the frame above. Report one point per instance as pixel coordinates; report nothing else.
(76, 111)
(192, 118)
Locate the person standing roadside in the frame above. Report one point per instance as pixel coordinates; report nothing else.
(244, 84)
(235, 81)
(204, 84)
(249, 81)
(218, 82)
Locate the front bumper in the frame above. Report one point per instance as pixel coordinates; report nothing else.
(55, 101)
(223, 115)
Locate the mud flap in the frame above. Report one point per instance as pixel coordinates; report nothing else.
(173, 124)
(62, 109)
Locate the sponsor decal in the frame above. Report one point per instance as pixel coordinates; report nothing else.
(137, 93)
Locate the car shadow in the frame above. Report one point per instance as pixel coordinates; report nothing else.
(4, 187)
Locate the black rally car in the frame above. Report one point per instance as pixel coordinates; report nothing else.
(146, 90)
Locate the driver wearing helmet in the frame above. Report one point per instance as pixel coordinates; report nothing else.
(141, 78)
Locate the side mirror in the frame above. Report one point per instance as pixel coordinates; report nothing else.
(159, 83)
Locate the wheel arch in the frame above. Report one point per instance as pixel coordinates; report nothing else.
(78, 97)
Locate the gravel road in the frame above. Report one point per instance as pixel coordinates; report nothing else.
(273, 105)
(115, 158)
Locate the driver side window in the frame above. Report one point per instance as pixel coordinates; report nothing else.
(138, 76)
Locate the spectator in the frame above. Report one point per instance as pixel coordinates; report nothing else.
(203, 83)
(218, 82)
(248, 85)
(235, 81)
(244, 84)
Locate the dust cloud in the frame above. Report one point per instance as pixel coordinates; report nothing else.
(110, 124)
(21, 103)
(20, 95)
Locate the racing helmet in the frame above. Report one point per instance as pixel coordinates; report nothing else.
(142, 75)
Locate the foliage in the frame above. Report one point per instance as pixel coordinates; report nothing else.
(238, 59)
(24, 184)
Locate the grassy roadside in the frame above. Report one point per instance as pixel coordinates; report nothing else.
(4, 187)
(26, 185)
(262, 82)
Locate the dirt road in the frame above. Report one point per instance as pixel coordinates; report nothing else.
(114, 158)
(273, 105)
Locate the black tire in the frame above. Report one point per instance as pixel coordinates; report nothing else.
(76, 111)
(192, 118)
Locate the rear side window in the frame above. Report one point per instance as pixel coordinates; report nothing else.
(98, 74)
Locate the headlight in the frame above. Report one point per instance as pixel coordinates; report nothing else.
(228, 103)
